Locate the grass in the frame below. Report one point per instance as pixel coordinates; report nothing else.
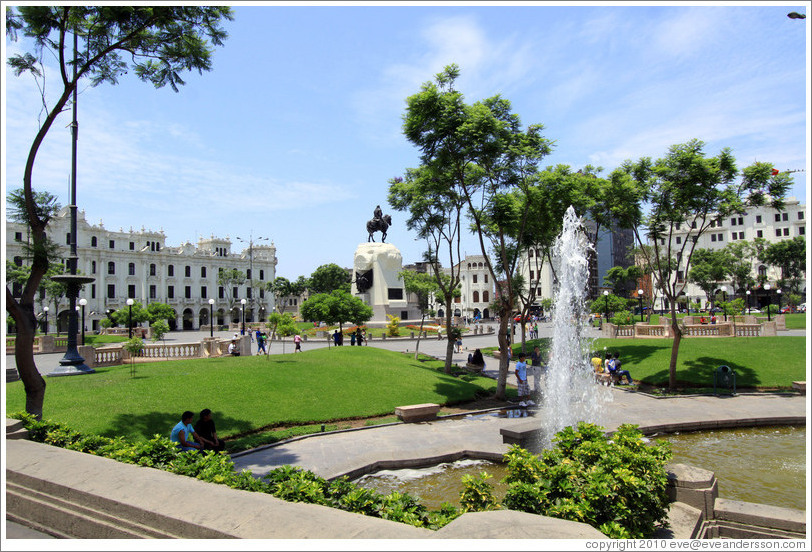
(250, 395)
(758, 362)
(98, 340)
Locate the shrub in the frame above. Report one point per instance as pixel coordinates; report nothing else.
(477, 493)
(393, 326)
(623, 318)
(617, 484)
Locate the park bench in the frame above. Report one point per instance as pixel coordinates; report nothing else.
(475, 368)
(606, 379)
(799, 386)
(417, 412)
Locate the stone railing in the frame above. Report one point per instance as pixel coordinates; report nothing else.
(644, 330)
(748, 330)
(624, 331)
(707, 330)
(721, 329)
(143, 333)
(107, 356)
(173, 350)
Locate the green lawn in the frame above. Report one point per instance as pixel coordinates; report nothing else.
(759, 362)
(249, 393)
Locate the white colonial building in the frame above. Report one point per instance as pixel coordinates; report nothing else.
(758, 222)
(476, 289)
(140, 265)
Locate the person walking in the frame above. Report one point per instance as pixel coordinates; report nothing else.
(297, 339)
(261, 342)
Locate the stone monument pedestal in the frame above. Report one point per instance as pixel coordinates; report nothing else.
(378, 265)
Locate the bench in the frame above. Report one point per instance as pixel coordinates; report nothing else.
(417, 412)
(606, 379)
(800, 386)
(475, 368)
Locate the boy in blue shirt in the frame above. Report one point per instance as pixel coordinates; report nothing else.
(521, 379)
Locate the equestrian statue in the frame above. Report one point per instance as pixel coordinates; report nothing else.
(379, 223)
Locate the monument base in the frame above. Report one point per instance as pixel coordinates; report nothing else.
(377, 282)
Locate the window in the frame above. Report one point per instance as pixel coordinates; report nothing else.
(800, 215)
(131, 269)
(530, 254)
(484, 296)
(532, 275)
(721, 237)
(111, 291)
(676, 227)
(202, 271)
(188, 271)
(486, 278)
(221, 293)
(785, 216)
(758, 219)
(786, 231)
(741, 221)
(131, 291)
(261, 274)
(762, 271)
(778, 217)
(112, 244)
(693, 225)
(18, 236)
(248, 274)
(476, 297)
(152, 269)
(203, 292)
(249, 293)
(760, 233)
(236, 293)
(67, 238)
(153, 291)
(93, 242)
(111, 267)
(92, 291)
(680, 276)
(18, 261)
(778, 232)
(457, 299)
(170, 292)
(713, 237)
(261, 293)
(170, 270)
(396, 293)
(132, 246)
(93, 267)
(662, 241)
(474, 278)
(802, 231)
(679, 241)
(187, 292)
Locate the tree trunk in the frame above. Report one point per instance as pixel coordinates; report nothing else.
(419, 334)
(504, 363)
(450, 349)
(672, 366)
(33, 382)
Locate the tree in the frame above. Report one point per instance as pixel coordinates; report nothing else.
(229, 278)
(608, 303)
(790, 257)
(435, 211)
(282, 287)
(139, 314)
(483, 151)
(329, 277)
(156, 42)
(336, 307)
(708, 268)
(687, 188)
(424, 286)
(282, 324)
(619, 278)
(158, 312)
(159, 330)
(740, 256)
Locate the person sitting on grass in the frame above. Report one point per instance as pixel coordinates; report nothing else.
(617, 372)
(183, 432)
(476, 359)
(208, 433)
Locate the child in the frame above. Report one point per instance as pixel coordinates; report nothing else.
(521, 378)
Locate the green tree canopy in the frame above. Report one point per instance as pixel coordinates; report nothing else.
(336, 307)
(790, 257)
(329, 277)
(122, 316)
(709, 267)
(158, 311)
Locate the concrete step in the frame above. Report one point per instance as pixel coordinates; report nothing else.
(72, 520)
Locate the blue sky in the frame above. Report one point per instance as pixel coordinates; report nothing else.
(297, 129)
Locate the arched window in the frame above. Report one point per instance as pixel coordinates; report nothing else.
(261, 274)
(530, 253)
(480, 265)
(93, 241)
(485, 296)
(152, 269)
(762, 271)
(93, 267)
(111, 267)
(476, 297)
(131, 270)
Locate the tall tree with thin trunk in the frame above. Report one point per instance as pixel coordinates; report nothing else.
(157, 43)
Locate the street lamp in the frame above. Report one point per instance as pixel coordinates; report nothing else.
(130, 317)
(606, 297)
(242, 308)
(45, 310)
(83, 304)
(778, 291)
(724, 300)
(748, 301)
(251, 262)
(769, 300)
(640, 297)
(211, 317)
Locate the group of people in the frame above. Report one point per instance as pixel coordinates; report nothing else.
(200, 436)
(358, 337)
(611, 365)
(537, 369)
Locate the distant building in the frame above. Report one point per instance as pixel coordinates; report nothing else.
(139, 265)
(476, 290)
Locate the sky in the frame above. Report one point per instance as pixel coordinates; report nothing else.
(296, 131)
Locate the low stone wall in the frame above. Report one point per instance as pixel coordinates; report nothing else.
(74, 495)
(689, 329)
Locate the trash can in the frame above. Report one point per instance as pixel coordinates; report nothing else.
(724, 377)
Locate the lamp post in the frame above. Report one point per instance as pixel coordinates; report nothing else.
(45, 310)
(130, 317)
(778, 291)
(769, 301)
(748, 301)
(606, 304)
(83, 304)
(251, 262)
(640, 297)
(242, 308)
(724, 300)
(211, 317)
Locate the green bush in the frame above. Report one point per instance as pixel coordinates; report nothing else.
(617, 484)
(477, 493)
(623, 318)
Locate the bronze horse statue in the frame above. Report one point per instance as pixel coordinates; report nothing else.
(379, 225)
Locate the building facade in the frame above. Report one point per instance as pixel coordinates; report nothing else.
(758, 222)
(476, 290)
(139, 265)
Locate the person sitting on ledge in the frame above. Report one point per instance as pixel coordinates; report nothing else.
(614, 368)
(183, 432)
(476, 359)
(232, 348)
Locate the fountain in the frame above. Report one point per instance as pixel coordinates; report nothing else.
(569, 393)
